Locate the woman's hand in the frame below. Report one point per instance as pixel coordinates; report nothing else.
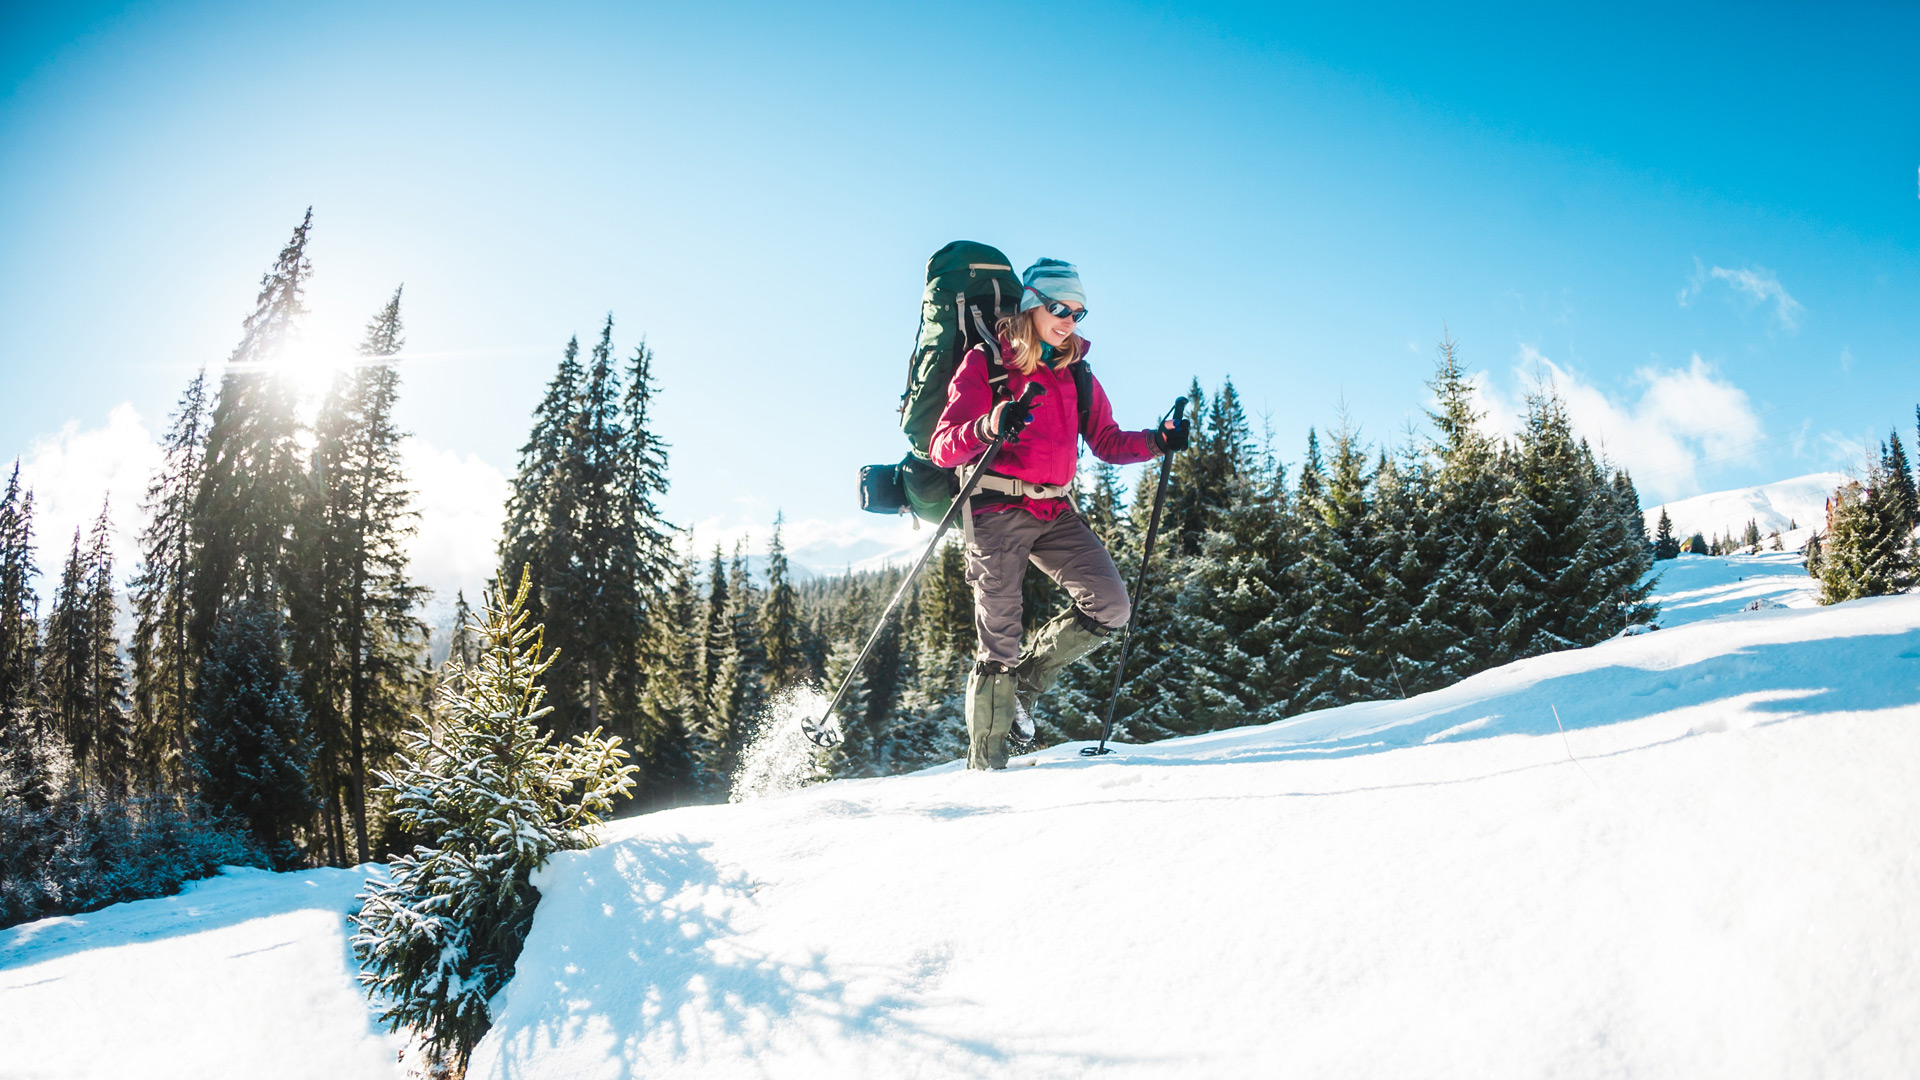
(1171, 436)
(1008, 418)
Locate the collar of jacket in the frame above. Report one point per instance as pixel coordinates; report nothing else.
(1006, 347)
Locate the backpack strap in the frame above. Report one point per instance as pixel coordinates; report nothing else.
(997, 373)
(1082, 391)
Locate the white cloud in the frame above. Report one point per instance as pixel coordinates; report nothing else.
(1684, 420)
(72, 471)
(461, 500)
(1757, 283)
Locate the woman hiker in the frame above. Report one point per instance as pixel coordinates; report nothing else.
(1020, 510)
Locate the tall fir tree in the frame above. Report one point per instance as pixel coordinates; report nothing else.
(583, 514)
(19, 609)
(31, 770)
(1665, 544)
(357, 642)
(252, 747)
(81, 678)
(780, 623)
(1899, 477)
(254, 474)
(164, 661)
(1334, 638)
(1868, 549)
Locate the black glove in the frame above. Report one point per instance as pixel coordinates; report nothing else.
(1171, 436)
(1010, 418)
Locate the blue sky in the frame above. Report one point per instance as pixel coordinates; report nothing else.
(1703, 224)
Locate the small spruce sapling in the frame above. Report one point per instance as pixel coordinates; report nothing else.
(496, 795)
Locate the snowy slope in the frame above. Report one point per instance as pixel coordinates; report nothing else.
(1801, 501)
(1712, 873)
(1695, 587)
(243, 975)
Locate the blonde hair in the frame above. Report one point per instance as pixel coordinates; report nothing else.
(1020, 333)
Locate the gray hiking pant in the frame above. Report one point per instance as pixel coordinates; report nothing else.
(1064, 549)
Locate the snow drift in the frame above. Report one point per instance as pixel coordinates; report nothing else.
(1710, 871)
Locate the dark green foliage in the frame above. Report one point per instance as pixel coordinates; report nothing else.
(254, 476)
(82, 682)
(1868, 549)
(496, 794)
(19, 624)
(1899, 477)
(252, 747)
(1665, 544)
(79, 852)
(780, 625)
(356, 643)
(583, 514)
(163, 661)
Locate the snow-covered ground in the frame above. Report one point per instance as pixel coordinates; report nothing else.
(1714, 870)
(1695, 587)
(1785, 505)
(243, 975)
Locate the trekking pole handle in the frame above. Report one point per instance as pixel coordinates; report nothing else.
(819, 733)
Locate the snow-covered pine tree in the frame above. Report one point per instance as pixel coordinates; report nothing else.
(1554, 478)
(1334, 637)
(29, 775)
(603, 614)
(497, 794)
(543, 502)
(1750, 539)
(780, 624)
(1665, 544)
(1410, 632)
(1893, 463)
(1606, 582)
(673, 705)
(1868, 549)
(106, 672)
(1469, 485)
(747, 681)
(252, 747)
(1236, 607)
(254, 473)
(357, 641)
(714, 736)
(163, 661)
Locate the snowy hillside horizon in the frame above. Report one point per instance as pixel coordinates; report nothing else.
(1795, 505)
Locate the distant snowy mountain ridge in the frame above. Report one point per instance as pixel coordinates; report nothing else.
(1784, 505)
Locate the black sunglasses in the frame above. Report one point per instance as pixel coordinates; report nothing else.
(1061, 311)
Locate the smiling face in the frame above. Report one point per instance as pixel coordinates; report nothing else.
(1053, 329)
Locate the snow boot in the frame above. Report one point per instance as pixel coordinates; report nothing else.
(989, 715)
(1071, 635)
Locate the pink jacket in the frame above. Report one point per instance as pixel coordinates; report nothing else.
(1049, 449)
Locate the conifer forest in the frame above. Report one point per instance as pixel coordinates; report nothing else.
(272, 666)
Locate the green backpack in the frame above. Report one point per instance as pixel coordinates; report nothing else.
(970, 288)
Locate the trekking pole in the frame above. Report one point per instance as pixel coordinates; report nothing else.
(819, 733)
(1139, 591)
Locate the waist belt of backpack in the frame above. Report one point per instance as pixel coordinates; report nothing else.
(1008, 485)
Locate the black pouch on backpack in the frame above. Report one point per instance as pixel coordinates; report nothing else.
(880, 489)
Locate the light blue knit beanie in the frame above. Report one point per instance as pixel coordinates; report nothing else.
(1051, 279)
